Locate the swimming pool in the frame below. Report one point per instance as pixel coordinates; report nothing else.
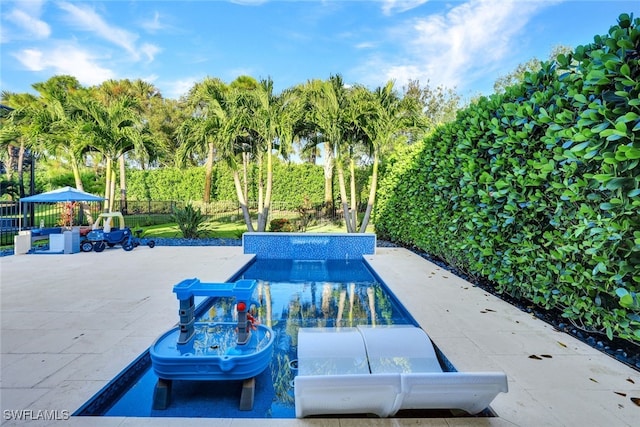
(292, 294)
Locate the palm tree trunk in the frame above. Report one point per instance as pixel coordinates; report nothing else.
(245, 173)
(123, 185)
(86, 211)
(267, 196)
(242, 200)
(107, 185)
(76, 174)
(372, 193)
(9, 165)
(208, 173)
(21, 169)
(328, 177)
(354, 203)
(112, 190)
(260, 194)
(343, 197)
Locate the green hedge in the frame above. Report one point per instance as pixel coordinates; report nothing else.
(292, 183)
(538, 190)
(166, 184)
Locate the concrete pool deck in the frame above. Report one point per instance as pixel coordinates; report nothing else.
(70, 323)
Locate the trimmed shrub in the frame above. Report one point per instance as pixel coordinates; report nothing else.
(291, 183)
(190, 221)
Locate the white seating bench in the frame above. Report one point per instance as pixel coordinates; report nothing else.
(381, 370)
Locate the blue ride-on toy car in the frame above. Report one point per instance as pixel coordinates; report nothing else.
(108, 230)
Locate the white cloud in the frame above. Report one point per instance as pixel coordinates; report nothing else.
(456, 47)
(31, 24)
(180, 87)
(32, 59)
(150, 51)
(25, 22)
(365, 45)
(151, 78)
(153, 25)
(86, 18)
(65, 59)
(390, 6)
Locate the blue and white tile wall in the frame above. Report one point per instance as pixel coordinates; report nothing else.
(309, 245)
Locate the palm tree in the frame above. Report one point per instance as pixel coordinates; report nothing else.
(198, 133)
(387, 117)
(273, 119)
(220, 125)
(63, 135)
(308, 139)
(20, 132)
(354, 141)
(144, 94)
(112, 128)
(49, 124)
(164, 118)
(241, 140)
(325, 103)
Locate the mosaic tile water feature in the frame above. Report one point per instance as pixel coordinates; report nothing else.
(309, 246)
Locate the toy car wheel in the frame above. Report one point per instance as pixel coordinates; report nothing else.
(86, 246)
(99, 246)
(127, 246)
(151, 243)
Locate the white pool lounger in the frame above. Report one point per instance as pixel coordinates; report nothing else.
(401, 371)
(334, 375)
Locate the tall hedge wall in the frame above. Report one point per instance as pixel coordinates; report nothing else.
(538, 190)
(292, 183)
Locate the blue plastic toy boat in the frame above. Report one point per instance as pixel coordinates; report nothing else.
(210, 351)
(212, 354)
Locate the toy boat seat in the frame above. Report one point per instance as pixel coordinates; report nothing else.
(404, 373)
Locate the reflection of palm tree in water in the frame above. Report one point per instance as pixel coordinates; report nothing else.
(372, 304)
(267, 304)
(294, 318)
(343, 297)
(364, 301)
(352, 295)
(326, 301)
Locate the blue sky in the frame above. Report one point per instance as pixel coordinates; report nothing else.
(464, 45)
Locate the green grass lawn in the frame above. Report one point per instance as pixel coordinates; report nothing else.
(212, 229)
(229, 230)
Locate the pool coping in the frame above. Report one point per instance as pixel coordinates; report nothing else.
(71, 327)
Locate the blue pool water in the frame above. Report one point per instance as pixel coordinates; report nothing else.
(292, 294)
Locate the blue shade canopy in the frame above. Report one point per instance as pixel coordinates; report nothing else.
(64, 194)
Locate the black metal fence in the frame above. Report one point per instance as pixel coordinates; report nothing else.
(148, 212)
